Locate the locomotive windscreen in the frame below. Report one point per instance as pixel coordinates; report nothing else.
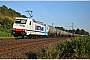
(20, 21)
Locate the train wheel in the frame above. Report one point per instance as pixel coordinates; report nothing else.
(22, 36)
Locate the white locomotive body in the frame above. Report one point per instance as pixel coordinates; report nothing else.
(28, 26)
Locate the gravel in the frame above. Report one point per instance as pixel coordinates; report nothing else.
(28, 52)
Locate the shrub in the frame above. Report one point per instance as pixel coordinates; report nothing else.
(76, 48)
(5, 34)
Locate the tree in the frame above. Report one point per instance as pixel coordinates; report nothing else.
(10, 13)
(78, 31)
(87, 33)
(83, 32)
(61, 28)
(4, 7)
(70, 31)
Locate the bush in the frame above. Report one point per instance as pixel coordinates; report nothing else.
(5, 34)
(76, 48)
(5, 27)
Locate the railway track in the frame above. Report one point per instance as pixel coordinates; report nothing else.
(15, 44)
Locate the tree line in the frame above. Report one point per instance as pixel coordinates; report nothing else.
(77, 31)
(8, 12)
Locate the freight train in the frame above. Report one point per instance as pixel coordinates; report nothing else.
(34, 29)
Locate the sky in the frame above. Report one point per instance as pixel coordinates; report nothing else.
(60, 13)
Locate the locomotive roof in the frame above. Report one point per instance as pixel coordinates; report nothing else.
(38, 22)
(32, 20)
(21, 18)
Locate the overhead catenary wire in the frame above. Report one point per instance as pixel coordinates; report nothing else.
(37, 11)
(27, 9)
(19, 5)
(49, 10)
(34, 9)
(55, 14)
(54, 11)
(33, 12)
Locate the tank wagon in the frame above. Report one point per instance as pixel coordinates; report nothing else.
(33, 29)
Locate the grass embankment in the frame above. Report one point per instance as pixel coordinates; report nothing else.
(75, 48)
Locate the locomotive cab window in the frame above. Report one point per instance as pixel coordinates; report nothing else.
(30, 23)
(20, 21)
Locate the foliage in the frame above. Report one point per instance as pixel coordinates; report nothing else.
(5, 27)
(5, 34)
(61, 28)
(10, 13)
(81, 32)
(76, 48)
(7, 16)
(77, 31)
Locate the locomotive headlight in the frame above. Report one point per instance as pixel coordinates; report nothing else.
(24, 30)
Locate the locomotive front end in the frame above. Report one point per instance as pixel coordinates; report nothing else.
(19, 27)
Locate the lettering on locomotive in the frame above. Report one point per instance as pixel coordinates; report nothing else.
(39, 28)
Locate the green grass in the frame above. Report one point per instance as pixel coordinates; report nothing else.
(75, 48)
(5, 34)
